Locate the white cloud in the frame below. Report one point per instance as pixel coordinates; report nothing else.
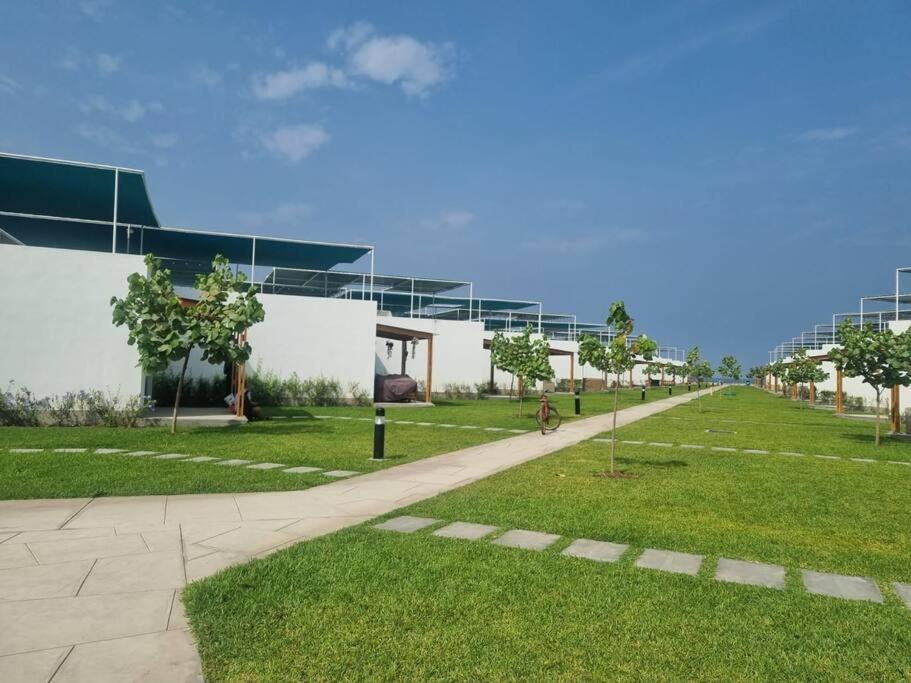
(415, 66)
(71, 60)
(132, 111)
(586, 243)
(349, 36)
(204, 75)
(295, 143)
(449, 220)
(8, 86)
(284, 214)
(105, 137)
(164, 140)
(283, 84)
(107, 64)
(826, 134)
(94, 9)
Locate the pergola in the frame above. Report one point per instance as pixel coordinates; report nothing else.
(405, 335)
(551, 351)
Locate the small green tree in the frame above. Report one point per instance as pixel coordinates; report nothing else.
(526, 358)
(802, 369)
(651, 369)
(621, 357)
(592, 353)
(882, 359)
(695, 369)
(730, 368)
(164, 330)
(777, 370)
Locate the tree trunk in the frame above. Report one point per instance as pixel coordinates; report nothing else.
(613, 432)
(183, 371)
(521, 394)
(877, 418)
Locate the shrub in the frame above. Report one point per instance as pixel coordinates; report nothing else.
(83, 408)
(459, 391)
(321, 391)
(20, 408)
(359, 395)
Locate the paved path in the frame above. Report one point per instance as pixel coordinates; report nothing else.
(89, 588)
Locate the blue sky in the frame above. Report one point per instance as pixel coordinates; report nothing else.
(736, 171)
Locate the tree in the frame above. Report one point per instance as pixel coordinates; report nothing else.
(620, 357)
(694, 368)
(164, 330)
(777, 370)
(592, 353)
(729, 367)
(758, 373)
(882, 359)
(802, 369)
(526, 358)
(652, 369)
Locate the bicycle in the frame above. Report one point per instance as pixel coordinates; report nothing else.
(547, 417)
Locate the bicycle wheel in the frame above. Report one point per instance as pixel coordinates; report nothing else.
(540, 422)
(553, 420)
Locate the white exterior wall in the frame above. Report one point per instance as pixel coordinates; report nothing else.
(315, 337)
(459, 356)
(55, 321)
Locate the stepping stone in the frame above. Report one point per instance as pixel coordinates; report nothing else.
(306, 417)
(469, 427)
(265, 466)
(340, 474)
(670, 561)
(904, 592)
(898, 462)
(234, 462)
(494, 429)
(405, 422)
(752, 573)
(139, 454)
(301, 470)
(465, 530)
(660, 443)
(755, 451)
(445, 425)
(722, 449)
(279, 417)
(406, 524)
(424, 424)
(629, 442)
(109, 451)
(862, 460)
(690, 445)
(529, 540)
(840, 586)
(791, 454)
(171, 456)
(201, 458)
(600, 551)
(827, 457)
(341, 417)
(317, 417)
(70, 450)
(26, 450)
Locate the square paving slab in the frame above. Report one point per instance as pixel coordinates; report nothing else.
(600, 551)
(529, 540)
(26, 450)
(840, 586)
(172, 456)
(752, 573)
(201, 458)
(340, 474)
(904, 592)
(406, 524)
(139, 454)
(265, 466)
(465, 530)
(234, 462)
(70, 450)
(109, 451)
(301, 470)
(670, 561)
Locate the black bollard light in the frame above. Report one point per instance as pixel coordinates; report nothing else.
(578, 401)
(670, 391)
(643, 393)
(379, 434)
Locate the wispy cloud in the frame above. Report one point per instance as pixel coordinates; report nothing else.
(281, 85)
(286, 214)
(449, 220)
(825, 134)
(103, 63)
(206, 76)
(589, 242)
(94, 9)
(294, 143)
(106, 137)
(131, 111)
(658, 58)
(164, 140)
(9, 86)
(107, 64)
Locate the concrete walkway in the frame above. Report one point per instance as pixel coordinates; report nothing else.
(90, 588)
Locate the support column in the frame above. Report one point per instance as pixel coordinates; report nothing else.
(428, 391)
(895, 410)
(662, 376)
(631, 377)
(812, 393)
(839, 395)
(572, 372)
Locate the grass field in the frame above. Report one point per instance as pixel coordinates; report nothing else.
(328, 444)
(368, 604)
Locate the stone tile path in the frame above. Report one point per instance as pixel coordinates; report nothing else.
(92, 589)
(727, 570)
(444, 425)
(183, 457)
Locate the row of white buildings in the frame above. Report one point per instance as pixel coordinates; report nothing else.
(71, 233)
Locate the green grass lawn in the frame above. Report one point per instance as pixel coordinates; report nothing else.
(328, 444)
(368, 604)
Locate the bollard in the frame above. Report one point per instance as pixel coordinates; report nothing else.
(643, 393)
(670, 391)
(578, 403)
(379, 434)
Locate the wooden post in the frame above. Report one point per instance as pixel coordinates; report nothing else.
(428, 390)
(895, 410)
(491, 378)
(631, 377)
(839, 394)
(776, 384)
(404, 355)
(794, 391)
(662, 376)
(572, 372)
(812, 392)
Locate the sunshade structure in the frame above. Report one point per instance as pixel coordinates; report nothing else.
(405, 335)
(350, 285)
(72, 205)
